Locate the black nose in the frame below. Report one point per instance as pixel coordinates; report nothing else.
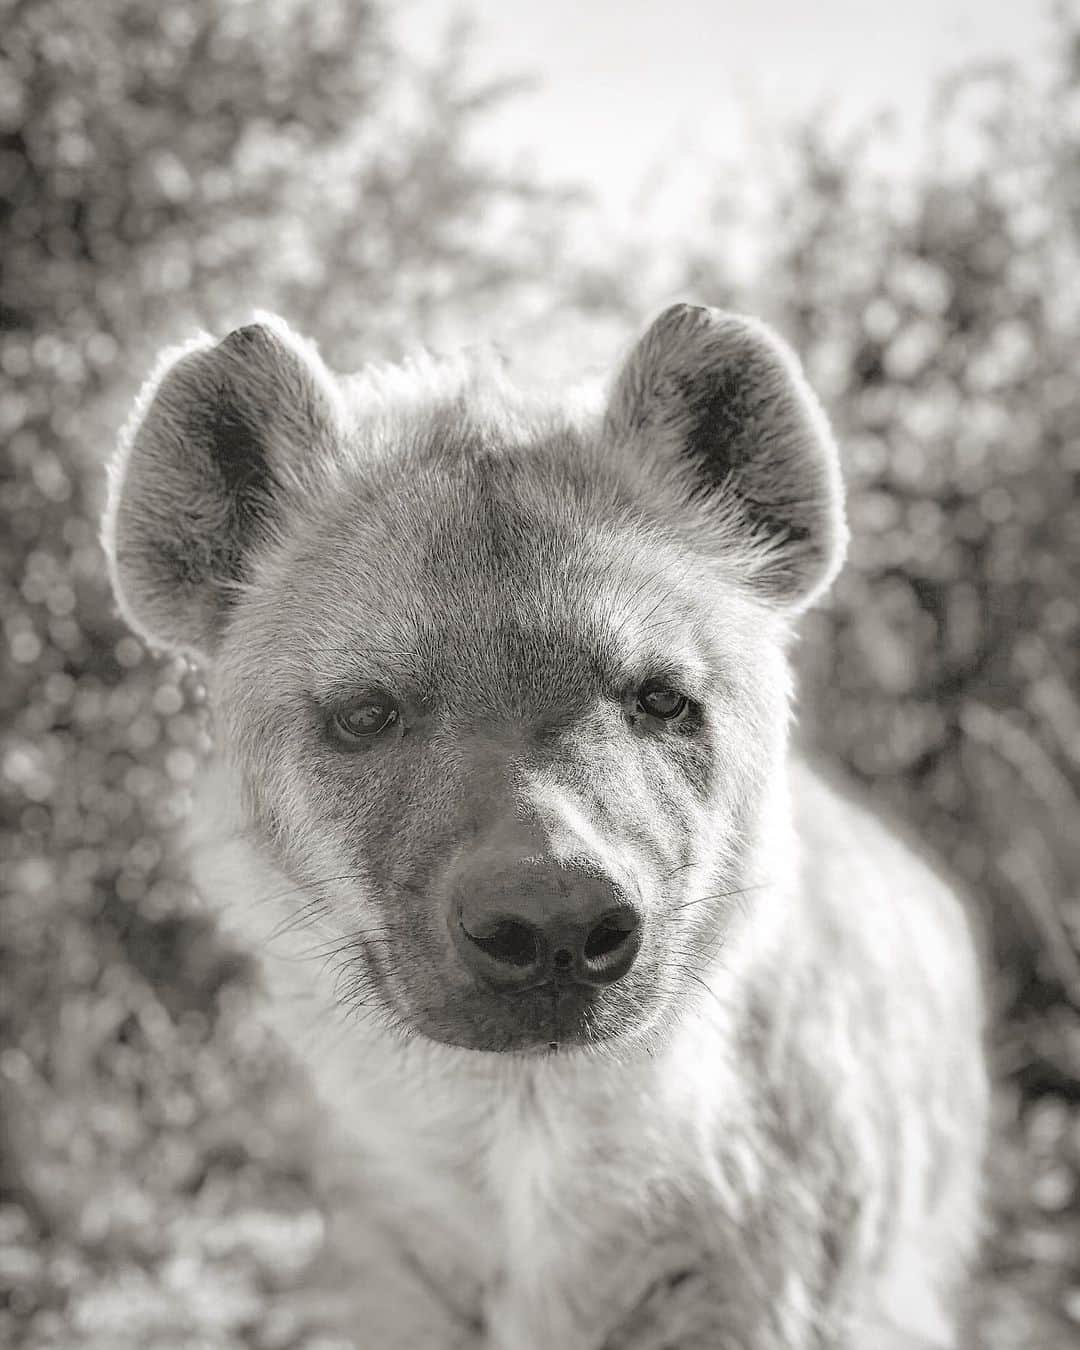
(536, 922)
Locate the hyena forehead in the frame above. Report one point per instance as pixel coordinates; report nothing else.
(239, 449)
(505, 548)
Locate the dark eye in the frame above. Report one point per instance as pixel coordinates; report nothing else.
(365, 718)
(659, 700)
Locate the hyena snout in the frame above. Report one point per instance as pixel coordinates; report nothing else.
(543, 920)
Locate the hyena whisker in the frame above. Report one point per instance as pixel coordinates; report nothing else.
(695, 978)
(650, 627)
(742, 904)
(355, 1012)
(631, 618)
(338, 947)
(343, 941)
(738, 893)
(629, 603)
(626, 1008)
(306, 914)
(696, 958)
(642, 623)
(352, 989)
(307, 886)
(696, 951)
(682, 867)
(606, 572)
(357, 985)
(711, 993)
(320, 904)
(355, 943)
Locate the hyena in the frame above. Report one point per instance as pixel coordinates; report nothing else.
(640, 1036)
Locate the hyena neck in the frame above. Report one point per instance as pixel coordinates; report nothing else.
(471, 1135)
(471, 1165)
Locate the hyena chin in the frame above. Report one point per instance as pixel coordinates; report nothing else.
(637, 1035)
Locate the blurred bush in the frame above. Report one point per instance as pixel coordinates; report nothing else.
(168, 167)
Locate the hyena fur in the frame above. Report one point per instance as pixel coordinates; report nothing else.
(640, 1036)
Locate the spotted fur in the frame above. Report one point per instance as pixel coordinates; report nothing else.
(767, 1135)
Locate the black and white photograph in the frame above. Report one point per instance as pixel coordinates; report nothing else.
(540, 675)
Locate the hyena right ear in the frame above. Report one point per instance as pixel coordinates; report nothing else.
(196, 483)
(719, 404)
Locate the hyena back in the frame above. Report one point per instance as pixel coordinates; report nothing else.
(640, 1036)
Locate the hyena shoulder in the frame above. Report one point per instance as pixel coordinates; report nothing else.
(872, 886)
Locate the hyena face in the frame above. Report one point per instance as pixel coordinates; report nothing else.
(499, 744)
(501, 687)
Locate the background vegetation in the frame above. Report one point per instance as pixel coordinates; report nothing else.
(163, 167)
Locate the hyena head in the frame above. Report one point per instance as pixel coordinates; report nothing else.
(500, 684)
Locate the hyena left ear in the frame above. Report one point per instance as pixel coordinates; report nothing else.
(721, 403)
(222, 438)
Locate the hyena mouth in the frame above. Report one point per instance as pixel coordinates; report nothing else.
(552, 1016)
(556, 1014)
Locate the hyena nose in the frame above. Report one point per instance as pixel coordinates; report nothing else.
(528, 926)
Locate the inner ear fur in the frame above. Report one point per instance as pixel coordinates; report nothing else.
(721, 403)
(196, 482)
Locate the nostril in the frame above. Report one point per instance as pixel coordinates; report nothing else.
(611, 933)
(510, 942)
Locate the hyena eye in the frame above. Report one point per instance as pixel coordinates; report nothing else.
(657, 699)
(365, 718)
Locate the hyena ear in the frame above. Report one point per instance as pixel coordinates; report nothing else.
(197, 482)
(720, 401)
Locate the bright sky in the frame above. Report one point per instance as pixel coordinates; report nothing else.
(629, 86)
